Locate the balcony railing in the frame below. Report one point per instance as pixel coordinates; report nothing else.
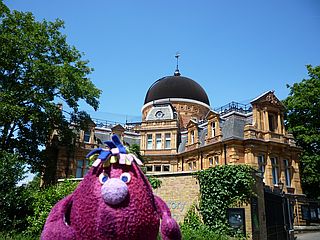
(234, 107)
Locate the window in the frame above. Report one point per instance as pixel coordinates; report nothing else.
(166, 168)
(194, 165)
(272, 122)
(213, 129)
(86, 137)
(157, 168)
(274, 164)
(158, 141)
(216, 160)
(82, 168)
(168, 140)
(149, 168)
(287, 172)
(261, 164)
(190, 165)
(149, 141)
(192, 137)
(210, 162)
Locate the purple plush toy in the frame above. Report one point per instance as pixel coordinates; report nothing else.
(113, 201)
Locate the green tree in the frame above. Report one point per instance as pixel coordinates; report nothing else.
(38, 68)
(14, 201)
(303, 120)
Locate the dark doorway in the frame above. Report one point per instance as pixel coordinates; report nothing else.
(277, 216)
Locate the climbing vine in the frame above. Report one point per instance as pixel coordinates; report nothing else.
(222, 187)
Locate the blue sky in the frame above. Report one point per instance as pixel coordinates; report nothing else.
(234, 49)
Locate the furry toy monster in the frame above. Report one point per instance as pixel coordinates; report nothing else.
(113, 201)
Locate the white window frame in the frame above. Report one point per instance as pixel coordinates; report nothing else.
(155, 167)
(165, 165)
(149, 167)
(158, 141)
(210, 161)
(216, 160)
(190, 166)
(194, 165)
(168, 140)
(149, 141)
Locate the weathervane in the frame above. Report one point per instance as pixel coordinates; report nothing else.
(176, 72)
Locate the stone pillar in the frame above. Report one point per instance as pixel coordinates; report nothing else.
(279, 127)
(268, 171)
(258, 120)
(265, 120)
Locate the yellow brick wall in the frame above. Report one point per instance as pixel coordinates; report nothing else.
(179, 191)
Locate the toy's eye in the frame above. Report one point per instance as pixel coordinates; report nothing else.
(125, 177)
(103, 177)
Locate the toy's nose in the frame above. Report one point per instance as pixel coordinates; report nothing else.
(114, 191)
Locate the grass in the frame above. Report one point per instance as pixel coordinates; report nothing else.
(16, 236)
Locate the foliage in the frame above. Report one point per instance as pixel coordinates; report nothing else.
(303, 120)
(14, 200)
(192, 218)
(155, 182)
(201, 233)
(193, 227)
(15, 236)
(135, 148)
(37, 69)
(222, 187)
(43, 201)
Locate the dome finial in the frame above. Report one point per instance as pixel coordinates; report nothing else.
(176, 72)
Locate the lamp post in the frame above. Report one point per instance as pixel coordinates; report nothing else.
(286, 224)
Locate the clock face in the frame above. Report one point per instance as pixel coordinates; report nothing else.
(159, 114)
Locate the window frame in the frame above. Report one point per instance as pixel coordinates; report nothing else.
(83, 168)
(167, 140)
(86, 134)
(213, 129)
(287, 172)
(158, 141)
(149, 141)
(261, 164)
(275, 170)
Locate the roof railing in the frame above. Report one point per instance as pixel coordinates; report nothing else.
(234, 107)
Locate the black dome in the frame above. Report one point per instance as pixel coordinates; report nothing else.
(176, 87)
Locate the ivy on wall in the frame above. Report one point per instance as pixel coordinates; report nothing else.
(222, 187)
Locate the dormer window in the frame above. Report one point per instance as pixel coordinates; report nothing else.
(272, 122)
(192, 137)
(213, 129)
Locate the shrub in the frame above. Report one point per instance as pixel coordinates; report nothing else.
(155, 182)
(44, 200)
(222, 187)
(15, 236)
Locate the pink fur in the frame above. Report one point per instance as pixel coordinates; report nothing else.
(86, 214)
